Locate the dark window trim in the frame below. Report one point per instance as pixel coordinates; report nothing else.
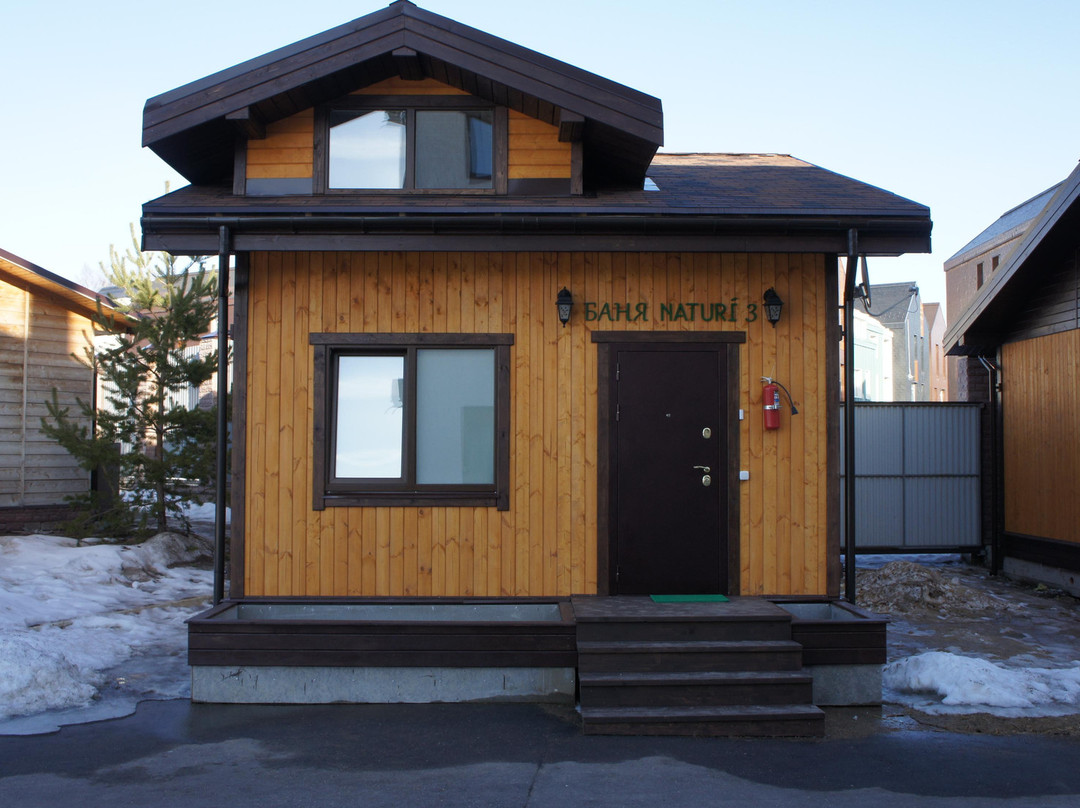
(328, 492)
(412, 103)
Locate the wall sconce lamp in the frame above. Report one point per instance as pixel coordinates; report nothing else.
(773, 305)
(564, 302)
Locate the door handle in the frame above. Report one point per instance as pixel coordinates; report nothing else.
(704, 469)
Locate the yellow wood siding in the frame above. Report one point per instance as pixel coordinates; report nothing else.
(546, 543)
(535, 151)
(286, 152)
(1041, 412)
(37, 338)
(400, 86)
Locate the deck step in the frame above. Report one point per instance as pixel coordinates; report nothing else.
(691, 668)
(694, 688)
(744, 655)
(673, 629)
(780, 720)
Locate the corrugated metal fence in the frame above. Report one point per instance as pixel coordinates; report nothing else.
(917, 477)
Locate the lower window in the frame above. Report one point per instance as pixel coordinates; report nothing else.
(411, 419)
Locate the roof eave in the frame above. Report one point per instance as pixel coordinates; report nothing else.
(74, 296)
(187, 121)
(616, 231)
(970, 319)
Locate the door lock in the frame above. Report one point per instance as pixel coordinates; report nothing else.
(706, 480)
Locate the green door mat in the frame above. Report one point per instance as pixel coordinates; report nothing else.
(689, 599)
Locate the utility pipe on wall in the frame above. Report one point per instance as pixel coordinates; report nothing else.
(997, 520)
(849, 415)
(222, 414)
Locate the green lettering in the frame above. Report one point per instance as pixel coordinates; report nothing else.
(665, 311)
(680, 313)
(642, 312)
(590, 311)
(605, 311)
(719, 311)
(622, 311)
(693, 309)
(731, 310)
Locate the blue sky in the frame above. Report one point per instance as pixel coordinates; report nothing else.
(965, 106)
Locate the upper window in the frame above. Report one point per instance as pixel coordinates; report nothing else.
(412, 419)
(374, 145)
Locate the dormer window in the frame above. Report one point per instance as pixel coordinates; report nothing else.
(443, 143)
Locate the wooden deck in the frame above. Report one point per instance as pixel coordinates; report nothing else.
(700, 668)
(596, 609)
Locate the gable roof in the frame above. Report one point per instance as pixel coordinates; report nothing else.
(26, 275)
(891, 302)
(933, 312)
(192, 127)
(991, 305)
(706, 201)
(1010, 224)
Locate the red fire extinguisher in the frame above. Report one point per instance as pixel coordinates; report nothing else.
(770, 399)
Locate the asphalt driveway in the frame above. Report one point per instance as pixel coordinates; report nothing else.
(174, 753)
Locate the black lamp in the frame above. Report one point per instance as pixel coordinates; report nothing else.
(773, 305)
(564, 302)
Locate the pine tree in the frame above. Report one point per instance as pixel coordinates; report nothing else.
(171, 449)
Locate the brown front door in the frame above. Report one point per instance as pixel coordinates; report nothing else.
(669, 458)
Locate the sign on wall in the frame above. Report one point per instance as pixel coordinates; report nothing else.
(730, 312)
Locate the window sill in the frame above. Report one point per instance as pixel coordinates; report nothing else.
(470, 499)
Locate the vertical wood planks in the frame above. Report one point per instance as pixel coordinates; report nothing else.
(546, 544)
(1041, 408)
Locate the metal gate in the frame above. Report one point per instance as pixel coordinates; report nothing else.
(917, 477)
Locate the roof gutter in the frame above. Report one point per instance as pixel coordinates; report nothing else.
(913, 232)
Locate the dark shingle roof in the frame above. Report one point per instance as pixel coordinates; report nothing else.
(698, 184)
(188, 127)
(1015, 221)
(890, 302)
(747, 193)
(975, 331)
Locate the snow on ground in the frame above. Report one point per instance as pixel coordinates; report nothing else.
(963, 642)
(86, 632)
(969, 682)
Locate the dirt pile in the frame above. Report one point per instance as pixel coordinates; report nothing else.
(907, 588)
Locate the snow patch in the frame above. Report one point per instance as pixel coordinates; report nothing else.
(35, 676)
(967, 682)
(71, 616)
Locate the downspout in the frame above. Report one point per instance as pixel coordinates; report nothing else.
(222, 413)
(849, 415)
(997, 523)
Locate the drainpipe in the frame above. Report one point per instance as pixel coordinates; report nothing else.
(849, 415)
(222, 413)
(996, 475)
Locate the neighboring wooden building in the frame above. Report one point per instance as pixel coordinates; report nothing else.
(934, 320)
(969, 269)
(44, 320)
(622, 452)
(1023, 332)
(898, 307)
(873, 358)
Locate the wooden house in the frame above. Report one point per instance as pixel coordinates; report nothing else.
(46, 321)
(492, 346)
(1022, 331)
